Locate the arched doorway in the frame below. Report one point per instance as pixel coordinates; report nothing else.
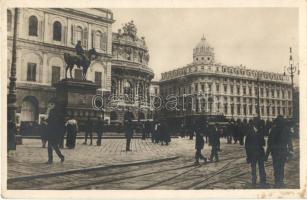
(29, 109)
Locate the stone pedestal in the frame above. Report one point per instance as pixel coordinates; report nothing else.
(74, 99)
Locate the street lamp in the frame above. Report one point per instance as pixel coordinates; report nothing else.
(11, 97)
(258, 96)
(291, 70)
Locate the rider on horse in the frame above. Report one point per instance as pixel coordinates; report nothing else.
(80, 51)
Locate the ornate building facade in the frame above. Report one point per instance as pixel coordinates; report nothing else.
(131, 75)
(43, 36)
(230, 91)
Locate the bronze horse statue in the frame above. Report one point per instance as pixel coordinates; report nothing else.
(79, 60)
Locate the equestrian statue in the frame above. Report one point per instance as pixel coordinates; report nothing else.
(82, 59)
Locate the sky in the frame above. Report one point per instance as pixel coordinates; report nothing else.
(258, 38)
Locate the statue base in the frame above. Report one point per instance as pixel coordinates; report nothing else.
(74, 99)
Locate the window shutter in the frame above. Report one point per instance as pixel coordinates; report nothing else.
(93, 38)
(85, 38)
(73, 34)
(41, 33)
(102, 38)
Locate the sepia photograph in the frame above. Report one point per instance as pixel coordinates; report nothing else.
(154, 98)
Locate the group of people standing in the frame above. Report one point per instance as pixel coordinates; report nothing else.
(91, 127)
(54, 128)
(213, 132)
(279, 145)
(157, 130)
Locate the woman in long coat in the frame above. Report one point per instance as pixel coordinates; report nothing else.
(72, 129)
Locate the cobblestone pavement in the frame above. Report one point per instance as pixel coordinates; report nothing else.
(231, 172)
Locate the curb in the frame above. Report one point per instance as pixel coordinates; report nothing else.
(94, 137)
(88, 169)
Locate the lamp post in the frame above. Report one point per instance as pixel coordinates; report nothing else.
(11, 97)
(291, 70)
(258, 97)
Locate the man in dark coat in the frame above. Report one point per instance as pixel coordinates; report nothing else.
(147, 129)
(254, 146)
(278, 142)
(53, 135)
(165, 134)
(129, 129)
(88, 127)
(199, 145)
(42, 132)
(214, 140)
(99, 130)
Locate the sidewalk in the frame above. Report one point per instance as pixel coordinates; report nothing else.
(30, 158)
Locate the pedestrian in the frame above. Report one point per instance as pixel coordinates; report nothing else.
(99, 130)
(129, 130)
(72, 129)
(190, 130)
(88, 127)
(62, 131)
(214, 139)
(182, 130)
(157, 132)
(154, 131)
(199, 145)
(53, 136)
(42, 132)
(278, 142)
(147, 129)
(164, 132)
(143, 129)
(254, 146)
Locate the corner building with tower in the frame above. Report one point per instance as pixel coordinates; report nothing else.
(211, 90)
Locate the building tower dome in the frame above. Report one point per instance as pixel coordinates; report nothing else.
(203, 52)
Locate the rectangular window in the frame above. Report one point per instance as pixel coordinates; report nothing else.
(231, 89)
(244, 110)
(239, 110)
(225, 108)
(31, 72)
(225, 88)
(196, 87)
(217, 88)
(56, 74)
(156, 91)
(202, 87)
(250, 109)
(98, 78)
(78, 74)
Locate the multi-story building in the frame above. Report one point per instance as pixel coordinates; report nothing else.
(230, 91)
(131, 75)
(43, 36)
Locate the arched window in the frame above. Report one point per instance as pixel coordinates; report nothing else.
(33, 26)
(9, 20)
(127, 88)
(113, 87)
(57, 31)
(79, 33)
(97, 40)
